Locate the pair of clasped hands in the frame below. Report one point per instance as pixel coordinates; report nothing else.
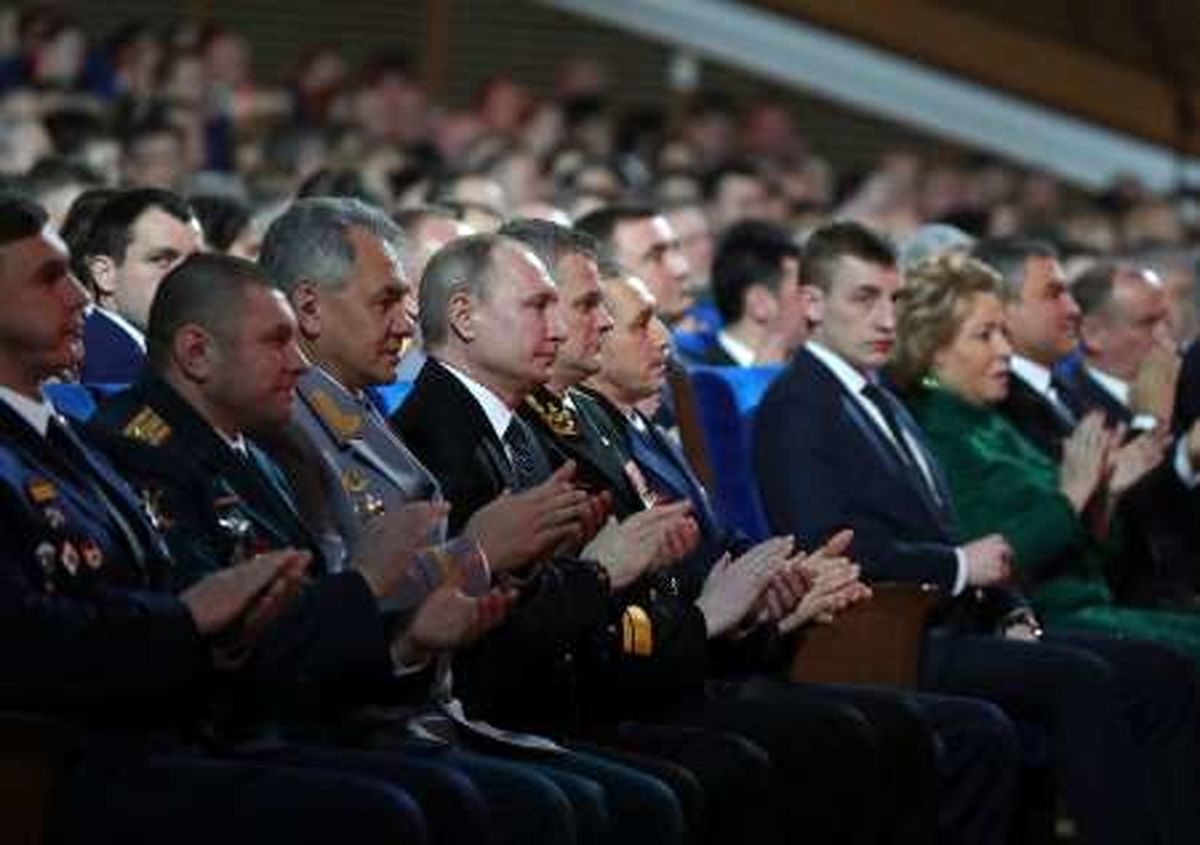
(770, 583)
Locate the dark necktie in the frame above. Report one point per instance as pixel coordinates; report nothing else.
(520, 450)
(883, 404)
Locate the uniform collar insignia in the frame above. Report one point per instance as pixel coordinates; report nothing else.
(148, 427)
(554, 413)
(344, 424)
(41, 490)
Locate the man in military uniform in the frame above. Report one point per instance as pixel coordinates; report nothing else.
(93, 638)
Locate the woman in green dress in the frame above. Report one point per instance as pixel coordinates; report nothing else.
(951, 361)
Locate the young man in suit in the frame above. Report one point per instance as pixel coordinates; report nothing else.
(834, 448)
(100, 643)
(634, 647)
(133, 241)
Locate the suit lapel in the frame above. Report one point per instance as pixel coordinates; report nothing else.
(885, 451)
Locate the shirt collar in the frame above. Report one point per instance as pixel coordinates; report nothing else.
(742, 354)
(129, 328)
(1032, 373)
(851, 379)
(497, 413)
(36, 412)
(1113, 386)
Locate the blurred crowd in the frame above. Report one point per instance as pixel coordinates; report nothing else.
(183, 109)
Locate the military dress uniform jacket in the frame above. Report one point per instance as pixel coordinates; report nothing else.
(215, 505)
(583, 656)
(88, 630)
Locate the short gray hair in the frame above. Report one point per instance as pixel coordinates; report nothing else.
(462, 266)
(310, 241)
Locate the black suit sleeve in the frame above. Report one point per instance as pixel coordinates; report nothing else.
(813, 484)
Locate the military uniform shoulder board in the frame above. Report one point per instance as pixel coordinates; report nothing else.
(556, 415)
(344, 424)
(148, 427)
(637, 632)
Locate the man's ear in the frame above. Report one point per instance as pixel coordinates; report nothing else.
(193, 351)
(1092, 332)
(306, 302)
(460, 316)
(761, 305)
(103, 271)
(812, 301)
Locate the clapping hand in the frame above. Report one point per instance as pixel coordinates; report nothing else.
(516, 529)
(734, 588)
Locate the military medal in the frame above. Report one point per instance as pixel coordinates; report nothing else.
(92, 555)
(55, 518)
(68, 556)
(45, 556)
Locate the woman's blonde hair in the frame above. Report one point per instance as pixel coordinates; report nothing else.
(935, 299)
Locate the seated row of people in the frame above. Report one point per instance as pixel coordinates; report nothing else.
(575, 585)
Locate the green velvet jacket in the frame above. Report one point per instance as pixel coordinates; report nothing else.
(1002, 484)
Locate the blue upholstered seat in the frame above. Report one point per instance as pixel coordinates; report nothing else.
(726, 398)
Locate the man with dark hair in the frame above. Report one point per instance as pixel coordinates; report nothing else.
(640, 238)
(134, 239)
(756, 286)
(1043, 319)
(834, 448)
(99, 642)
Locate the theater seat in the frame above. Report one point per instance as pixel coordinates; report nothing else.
(34, 752)
(78, 401)
(389, 397)
(726, 398)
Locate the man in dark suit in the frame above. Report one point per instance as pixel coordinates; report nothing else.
(834, 448)
(615, 647)
(756, 286)
(134, 240)
(96, 639)
(224, 362)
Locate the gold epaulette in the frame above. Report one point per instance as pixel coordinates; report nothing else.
(344, 424)
(637, 632)
(148, 427)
